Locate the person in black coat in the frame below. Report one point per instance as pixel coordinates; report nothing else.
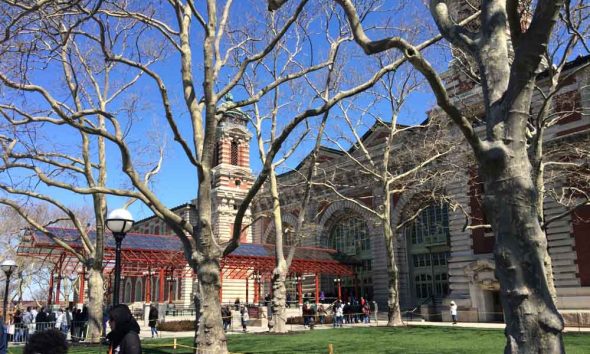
(41, 320)
(153, 320)
(124, 335)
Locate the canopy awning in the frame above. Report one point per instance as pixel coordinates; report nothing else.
(143, 253)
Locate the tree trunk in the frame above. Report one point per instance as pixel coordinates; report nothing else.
(533, 324)
(394, 316)
(95, 304)
(279, 298)
(210, 337)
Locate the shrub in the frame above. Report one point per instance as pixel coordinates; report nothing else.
(177, 326)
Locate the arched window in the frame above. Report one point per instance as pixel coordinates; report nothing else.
(127, 293)
(350, 236)
(432, 226)
(234, 153)
(155, 289)
(138, 290)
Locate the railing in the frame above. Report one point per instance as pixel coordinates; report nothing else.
(21, 332)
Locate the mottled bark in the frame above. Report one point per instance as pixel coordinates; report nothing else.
(394, 316)
(280, 272)
(210, 337)
(533, 324)
(95, 304)
(279, 298)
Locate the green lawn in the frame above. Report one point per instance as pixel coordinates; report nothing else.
(438, 340)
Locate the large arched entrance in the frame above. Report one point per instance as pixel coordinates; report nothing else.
(349, 235)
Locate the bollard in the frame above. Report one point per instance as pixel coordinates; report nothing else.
(174, 345)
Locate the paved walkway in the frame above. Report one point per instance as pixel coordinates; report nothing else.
(145, 331)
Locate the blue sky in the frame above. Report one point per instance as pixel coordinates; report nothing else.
(177, 181)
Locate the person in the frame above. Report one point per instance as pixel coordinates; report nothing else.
(3, 337)
(34, 312)
(366, 313)
(124, 335)
(289, 300)
(226, 317)
(60, 321)
(50, 341)
(84, 322)
(338, 313)
(41, 319)
(76, 323)
(27, 320)
(453, 309)
(245, 318)
(68, 320)
(322, 313)
(237, 304)
(51, 318)
(19, 327)
(153, 320)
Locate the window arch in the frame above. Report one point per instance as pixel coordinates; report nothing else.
(127, 292)
(351, 236)
(234, 153)
(138, 290)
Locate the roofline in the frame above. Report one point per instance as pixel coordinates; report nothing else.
(171, 209)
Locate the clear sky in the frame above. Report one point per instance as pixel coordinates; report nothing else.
(139, 110)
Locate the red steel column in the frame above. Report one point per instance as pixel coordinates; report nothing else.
(50, 295)
(340, 289)
(57, 289)
(161, 292)
(317, 288)
(256, 290)
(300, 289)
(148, 289)
(247, 290)
(81, 290)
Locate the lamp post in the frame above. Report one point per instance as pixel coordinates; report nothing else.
(337, 283)
(257, 277)
(8, 267)
(119, 221)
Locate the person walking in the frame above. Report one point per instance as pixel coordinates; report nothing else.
(124, 335)
(245, 318)
(153, 320)
(226, 317)
(453, 309)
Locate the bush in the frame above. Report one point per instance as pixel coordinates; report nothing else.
(177, 326)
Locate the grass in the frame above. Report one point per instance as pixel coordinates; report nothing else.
(419, 340)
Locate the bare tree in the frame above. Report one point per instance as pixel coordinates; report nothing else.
(33, 168)
(406, 162)
(129, 41)
(508, 47)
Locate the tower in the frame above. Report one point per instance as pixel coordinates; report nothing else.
(232, 176)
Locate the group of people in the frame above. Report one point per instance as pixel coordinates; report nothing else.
(123, 337)
(34, 319)
(354, 311)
